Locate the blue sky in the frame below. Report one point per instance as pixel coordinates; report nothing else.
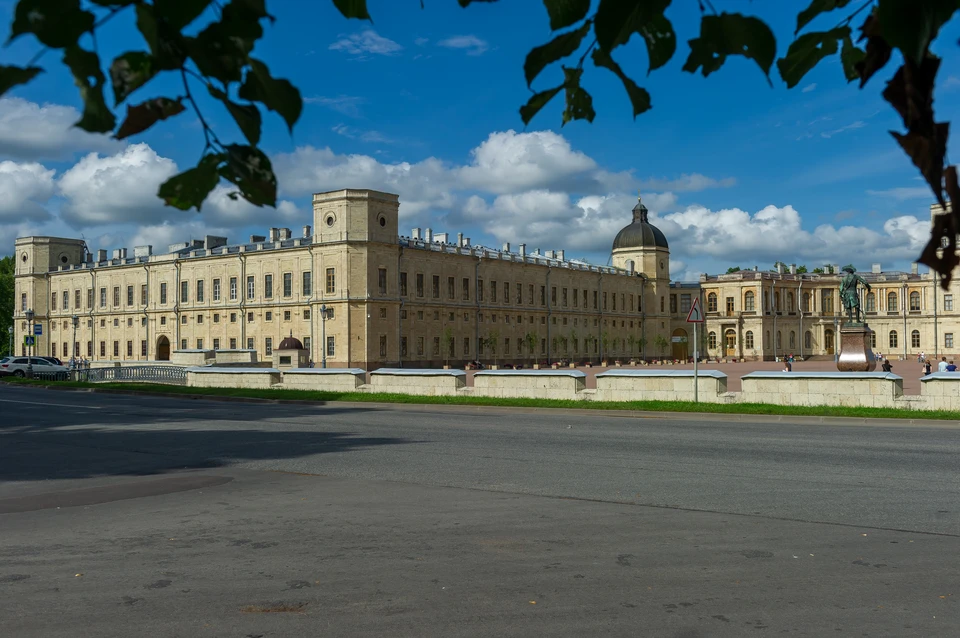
(425, 103)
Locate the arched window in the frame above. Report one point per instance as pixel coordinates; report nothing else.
(789, 302)
(914, 300)
(748, 301)
(806, 302)
(893, 338)
(891, 302)
(712, 337)
(748, 338)
(828, 339)
(793, 339)
(915, 339)
(808, 340)
(712, 302)
(871, 302)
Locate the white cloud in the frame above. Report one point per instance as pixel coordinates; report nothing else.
(367, 41)
(852, 126)
(469, 43)
(421, 41)
(25, 188)
(363, 136)
(348, 105)
(116, 188)
(31, 131)
(687, 183)
(904, 192)
(809, 87)
(220, 210)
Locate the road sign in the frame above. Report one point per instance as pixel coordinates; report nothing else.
(29, 340)
(38, 329)
(696, 314)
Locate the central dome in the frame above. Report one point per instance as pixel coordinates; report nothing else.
(641, 233)
(290, 343)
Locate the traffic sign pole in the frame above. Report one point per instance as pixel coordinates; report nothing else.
(695, 316)
(696, 399)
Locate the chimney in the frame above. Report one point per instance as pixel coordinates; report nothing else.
(836, 269)
(506, 246)
(914, 268)
(256, 239)
(415, 234)
(142, 251)
(756, 268)
(307, 231)
(120, 253)
(523, 250)
(442, 238)
(274, 233)
(285, 233)
(429, 236)
(466, 241)
(793, 269)
(101, 255)
(560, 255)
(211, 241)
(460, 239)
(876, 269)
(779, 267)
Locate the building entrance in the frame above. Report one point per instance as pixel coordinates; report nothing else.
(679, 343)
(163, 349)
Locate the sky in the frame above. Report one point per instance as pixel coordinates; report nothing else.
(424, 103)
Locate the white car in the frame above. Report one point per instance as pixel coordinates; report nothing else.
(42, 369)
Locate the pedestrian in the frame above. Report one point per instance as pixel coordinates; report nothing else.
(788, 367)
(886, 365)
(951, 367)
(927, 366)
(942, 366)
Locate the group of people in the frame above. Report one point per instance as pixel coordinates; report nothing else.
(943, 366)
(79, 363)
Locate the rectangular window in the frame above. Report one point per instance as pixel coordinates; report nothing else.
(506, 292)
(233, 317)
(827, 300)
(436, 286)
(216, 290)
(249, 317)
(729, 305)
(251, 287)
(493, 292)
(184, 291)
(436, 346)
(129, 295)
(116, 296)
(143, 294)
(233, 289)
(76, 299)
(420, 284)
(268, 345)
(143, 348)
(403, 346)
(103, 349)
(383, 345)
(216, 317)
(685, 301)
(331, 346)
(420, 346)
(563, 297)
(480, 290)
(306, 313)
(288, 284)
(543, 295)
(249, 343)
(199, 344)
(519, 294)
(163, 293)
(216, 344)
(451, 288)
(466, 346)
(553, 296)
(306, 343)
(199, 318)
(183, 319)
(163, 321)
(66, 300)
(382, 280)
(89, 298)
(948, 340)
(403, 284)
(286, 315)
(465, 291)
(948, 302)
(331, 281)
(268, 316)
(233, 343)
(307, 283)
(116, 349)
(268, 286)
(53, 301)
(595, 297)
(130, 349)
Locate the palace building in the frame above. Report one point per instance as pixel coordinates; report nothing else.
(357, 293)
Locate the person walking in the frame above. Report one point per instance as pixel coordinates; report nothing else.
(927, 367)
(886, 365)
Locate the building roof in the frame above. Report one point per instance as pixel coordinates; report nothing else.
(641, 233)
(290, 343)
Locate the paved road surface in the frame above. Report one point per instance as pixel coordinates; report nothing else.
(202, 518)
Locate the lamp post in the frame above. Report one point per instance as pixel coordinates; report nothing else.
(73, 355)
(323, 335)
(10, 332)
(29, 314)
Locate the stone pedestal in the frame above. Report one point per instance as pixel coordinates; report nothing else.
(855, 352)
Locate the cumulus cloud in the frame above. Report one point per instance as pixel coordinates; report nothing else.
(32, 131)
(469, 43)
(903, 193)
(687, 183)
(348, 105)
(26, 188)
(367, 41)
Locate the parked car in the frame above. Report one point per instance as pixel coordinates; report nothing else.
(17, 366)
(53, 360)
(3, 371)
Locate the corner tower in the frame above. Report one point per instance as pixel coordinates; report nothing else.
(642, 247)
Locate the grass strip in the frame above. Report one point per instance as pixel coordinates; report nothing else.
(644, 406)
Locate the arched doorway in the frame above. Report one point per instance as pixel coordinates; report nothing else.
(679, 343)
(828, 340)
(163, 349)
(730, 343)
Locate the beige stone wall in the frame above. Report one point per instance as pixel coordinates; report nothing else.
(329, 380)
(422, 382)
(877, 389)
(253, 378)
(191, 357)
(235, 356)
(540, 384)
(660, 387)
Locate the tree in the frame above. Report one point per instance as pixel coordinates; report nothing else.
(801, 269)
(6, 303)
(530, 340)
(733, 269)
(661, 343)
(217, 58)
(448, 342)
(491, 341)
(818, 271)
(642, 345)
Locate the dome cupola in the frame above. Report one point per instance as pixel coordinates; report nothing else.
(641, 233)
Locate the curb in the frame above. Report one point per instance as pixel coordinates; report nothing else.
(629, 414)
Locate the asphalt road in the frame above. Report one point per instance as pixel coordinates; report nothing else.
(203, 518)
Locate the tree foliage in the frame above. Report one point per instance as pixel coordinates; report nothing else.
(6, 302)
(218, 58)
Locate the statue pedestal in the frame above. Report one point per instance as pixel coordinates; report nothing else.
(855, 352)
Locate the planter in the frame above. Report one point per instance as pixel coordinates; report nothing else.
(536, 366)
(446, 367)
(573, 365)
(494, 367)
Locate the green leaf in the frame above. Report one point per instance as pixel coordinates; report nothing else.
(221, 50)
(731, 34)
(564, 13)
(579, 102)
(189, 188)
(143, 116)
(276, 94)
(877, 52)
(352, 9)
(660, 39)
(806, 52)
(911, 26)
(639, 97)
(617, 20)
(166, 43)
(560, 47)
(850, 57)
(250, 170)
(816, 8)
(247, 117)
(129, 72)
(55, 23)
(537, 102)
(11, 76)
(84, 65)
(179, 13)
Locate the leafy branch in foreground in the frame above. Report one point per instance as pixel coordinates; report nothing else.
(218, 59)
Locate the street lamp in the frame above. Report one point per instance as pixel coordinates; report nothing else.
(73, 355)
(29, 314)
(323, 334)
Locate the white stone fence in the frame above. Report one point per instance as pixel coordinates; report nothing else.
(940, 391)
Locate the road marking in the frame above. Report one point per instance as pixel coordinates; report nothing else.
(58, 405)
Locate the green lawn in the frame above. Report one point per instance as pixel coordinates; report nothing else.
(365, 397)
